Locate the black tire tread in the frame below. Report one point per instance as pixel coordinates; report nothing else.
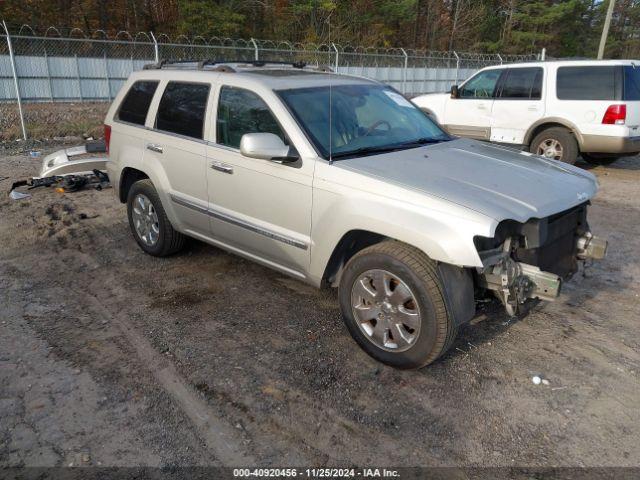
(427, 270)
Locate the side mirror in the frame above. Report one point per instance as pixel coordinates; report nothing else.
(454, 91)
(267, 146)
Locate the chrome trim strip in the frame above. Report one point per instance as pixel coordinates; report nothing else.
(239, 223)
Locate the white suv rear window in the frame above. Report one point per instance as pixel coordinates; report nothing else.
(589, 83)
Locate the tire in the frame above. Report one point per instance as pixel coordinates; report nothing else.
(562, 137)
(599, 159)
(412, 269)
(164, 240)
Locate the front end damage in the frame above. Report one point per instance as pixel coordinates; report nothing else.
(530, 260)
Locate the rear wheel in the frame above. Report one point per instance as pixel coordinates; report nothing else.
(600, 158)
(556, 143)
(392, 300)
(149, 223)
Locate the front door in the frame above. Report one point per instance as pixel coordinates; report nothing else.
(258, 207)
(469, 115)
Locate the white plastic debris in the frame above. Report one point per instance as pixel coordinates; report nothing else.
(16, 195)
(536, 380)
(545, 381)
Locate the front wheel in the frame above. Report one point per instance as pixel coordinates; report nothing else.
(392, 301)
(556, 143)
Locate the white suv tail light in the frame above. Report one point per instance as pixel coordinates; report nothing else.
(615, 115)
(107, 136)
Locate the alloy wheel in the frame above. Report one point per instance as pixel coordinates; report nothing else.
(386, 310)
(145, 220)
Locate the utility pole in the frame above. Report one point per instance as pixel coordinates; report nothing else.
(605, 30)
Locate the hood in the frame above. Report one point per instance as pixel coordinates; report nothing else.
(499, 182)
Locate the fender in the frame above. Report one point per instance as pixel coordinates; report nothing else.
(445, 237)
(551, 120)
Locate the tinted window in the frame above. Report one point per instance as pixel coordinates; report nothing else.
(182, 109)
(524, 83)
(241, 111)
(482, 85)
(136, 103)
(632, 83)
(589, 83)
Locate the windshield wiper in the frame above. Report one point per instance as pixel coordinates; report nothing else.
(425, 141)
(389, 148)
(367, 150)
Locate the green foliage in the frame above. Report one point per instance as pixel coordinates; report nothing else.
(564, 27)
(209, 18)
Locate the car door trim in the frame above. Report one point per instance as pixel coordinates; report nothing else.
(239, 223)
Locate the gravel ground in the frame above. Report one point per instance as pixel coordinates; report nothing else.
(112, 357)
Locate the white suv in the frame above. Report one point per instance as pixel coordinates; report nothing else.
(341, 181)
(557, 109)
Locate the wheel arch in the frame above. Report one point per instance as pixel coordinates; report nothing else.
(551, 122)
(457, 281)
(128, 177)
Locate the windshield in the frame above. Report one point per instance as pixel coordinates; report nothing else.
(365, 119)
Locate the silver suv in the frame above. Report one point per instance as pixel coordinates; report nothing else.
(340, 181)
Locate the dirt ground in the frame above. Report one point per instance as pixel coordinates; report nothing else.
(111, 357)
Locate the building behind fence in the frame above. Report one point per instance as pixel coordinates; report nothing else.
(74, 68)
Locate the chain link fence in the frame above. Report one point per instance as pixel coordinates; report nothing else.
(74, 67)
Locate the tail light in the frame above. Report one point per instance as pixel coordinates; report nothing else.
(107, 136)
(615, 115)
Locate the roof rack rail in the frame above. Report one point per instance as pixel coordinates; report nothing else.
(224, 65)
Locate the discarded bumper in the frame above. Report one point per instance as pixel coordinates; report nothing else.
(79, 160)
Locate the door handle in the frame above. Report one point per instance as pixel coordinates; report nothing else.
(481, 106)
(154, 147)
(222, 167)
(532, 108)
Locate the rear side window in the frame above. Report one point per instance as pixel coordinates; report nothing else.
(522, 83)
(632, 83)
(182, 109)
(136, 103)
(241, 111)
(589, 83)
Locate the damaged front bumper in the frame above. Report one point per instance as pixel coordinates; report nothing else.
(515, 282)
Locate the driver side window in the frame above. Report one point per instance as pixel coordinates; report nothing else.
(241, 111)
(483, 85)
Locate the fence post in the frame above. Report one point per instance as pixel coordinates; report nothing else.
(106, 73)
(543, 54)
(457, 66)
(46, 59)
(78, 77)
(499, 58)
(404, 71)
(255, 49)
(335, 49)
(156, 50)
(15, 79)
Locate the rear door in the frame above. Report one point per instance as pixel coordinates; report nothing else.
(469, 115)
(175, 149)
(518, 104)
